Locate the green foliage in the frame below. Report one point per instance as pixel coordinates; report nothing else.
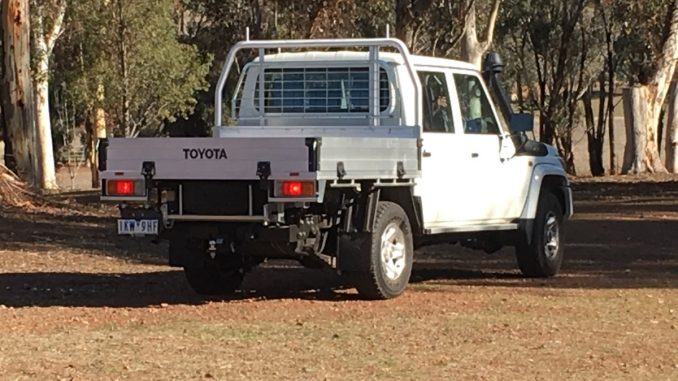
(130, 50)
(644, 26)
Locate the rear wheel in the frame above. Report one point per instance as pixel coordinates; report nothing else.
(214, 279)
(543, 256)
(391, 253)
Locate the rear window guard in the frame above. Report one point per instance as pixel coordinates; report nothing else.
(313, 90)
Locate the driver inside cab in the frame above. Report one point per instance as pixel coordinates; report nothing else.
(440, 115)
(476, 111)
(471, 107)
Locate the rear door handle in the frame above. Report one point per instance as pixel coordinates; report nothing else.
(474, 155)
(426, 154)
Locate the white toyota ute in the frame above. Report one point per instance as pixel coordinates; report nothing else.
(347, 154)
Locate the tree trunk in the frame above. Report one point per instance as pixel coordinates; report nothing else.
(43, 43)
(7, 157)
(653, 96)
(611, 69)
(635, 131)
(672, 131)
(641, 115)
(92, 151)
(46, 171)
(124, 73)
(610, 117)
(95, 131)
(471, 51)
(595, 143)
(17, 89)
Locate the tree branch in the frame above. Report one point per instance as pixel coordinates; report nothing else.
(492, 24)
(467, 14)
(57, 27)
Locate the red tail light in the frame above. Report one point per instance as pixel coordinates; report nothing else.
(297, 189)
(120, 187)
(292, 188)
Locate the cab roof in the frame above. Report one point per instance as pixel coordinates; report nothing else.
(349, 56)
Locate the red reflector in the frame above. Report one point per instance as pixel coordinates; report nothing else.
(298, 189)
(120, 187)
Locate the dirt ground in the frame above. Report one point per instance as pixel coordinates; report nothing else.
(79, 303)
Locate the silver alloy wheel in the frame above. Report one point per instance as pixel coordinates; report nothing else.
(393, 251)
(551, 236)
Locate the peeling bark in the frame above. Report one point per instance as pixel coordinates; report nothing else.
(642, 152)
(17, 89)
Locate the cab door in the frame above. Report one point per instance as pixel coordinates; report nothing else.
(500, 178)
(441, 186)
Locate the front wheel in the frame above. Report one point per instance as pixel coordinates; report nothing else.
(391, 252)
(543, 256)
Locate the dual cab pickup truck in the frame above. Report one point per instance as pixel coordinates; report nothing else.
(348, 159)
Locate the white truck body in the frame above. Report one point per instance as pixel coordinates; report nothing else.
(343, 122)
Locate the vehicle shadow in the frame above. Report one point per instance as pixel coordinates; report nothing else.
(599, 254)
(138, 290)
(436, 270)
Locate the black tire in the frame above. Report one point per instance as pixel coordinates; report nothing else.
(535, 259)
(377, 280)
(213, 280)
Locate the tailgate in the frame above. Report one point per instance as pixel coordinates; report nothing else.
(209, 158)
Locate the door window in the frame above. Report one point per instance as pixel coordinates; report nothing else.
(436, 104)
(476, 111)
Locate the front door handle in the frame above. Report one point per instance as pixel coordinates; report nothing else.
(474, 155)
(426, 154)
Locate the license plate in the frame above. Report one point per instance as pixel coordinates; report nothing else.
(138, 227)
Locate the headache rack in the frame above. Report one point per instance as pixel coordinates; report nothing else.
(373, 101)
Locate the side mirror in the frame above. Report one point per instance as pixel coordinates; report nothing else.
(521, 123)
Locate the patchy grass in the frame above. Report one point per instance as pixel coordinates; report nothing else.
(77, 303)
(470, 332)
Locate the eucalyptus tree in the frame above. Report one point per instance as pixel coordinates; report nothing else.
(651, 41)
(47, 20)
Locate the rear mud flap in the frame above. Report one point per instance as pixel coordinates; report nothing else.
(353, 254)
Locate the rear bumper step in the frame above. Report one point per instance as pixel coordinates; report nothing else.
(206, 218)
